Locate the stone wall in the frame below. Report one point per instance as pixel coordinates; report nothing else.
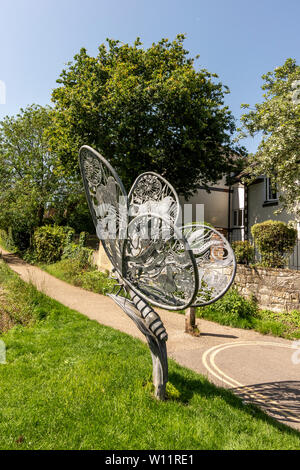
(101, 260)
(274, 289)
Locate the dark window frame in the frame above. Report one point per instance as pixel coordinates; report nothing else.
(238, 218)
(271, 195)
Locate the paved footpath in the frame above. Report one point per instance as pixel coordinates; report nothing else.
(261, 369)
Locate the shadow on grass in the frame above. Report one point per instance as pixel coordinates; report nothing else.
(280, 399)
(240, 399)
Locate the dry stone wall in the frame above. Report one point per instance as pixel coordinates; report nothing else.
(274, 289)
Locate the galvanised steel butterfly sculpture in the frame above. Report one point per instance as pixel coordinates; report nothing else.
(157, 262)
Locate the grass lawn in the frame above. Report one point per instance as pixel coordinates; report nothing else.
(69, 270)
(70, 383)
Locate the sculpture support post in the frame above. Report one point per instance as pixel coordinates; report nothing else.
(190, 320)
(158, 351)
(145, 318)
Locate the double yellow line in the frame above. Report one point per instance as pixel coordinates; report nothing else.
(208, 360)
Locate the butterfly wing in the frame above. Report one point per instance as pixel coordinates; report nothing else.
(108, 202)
(215, 262)
(152, 193)
(158, 264)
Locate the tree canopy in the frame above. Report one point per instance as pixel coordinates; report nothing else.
(278, 119)
(144, 109)
(30, 176)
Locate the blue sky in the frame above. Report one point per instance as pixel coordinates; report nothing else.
(238, 39)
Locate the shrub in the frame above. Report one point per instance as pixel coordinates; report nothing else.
(69, 237)
(21, 237)
(19, 301)
(15, 239)
(49, 241)
(232, 309)
(95, 281)
(234, 303)
(82, 239)
(275, 241)
(6, 240)
(244, 252)
(79, 253)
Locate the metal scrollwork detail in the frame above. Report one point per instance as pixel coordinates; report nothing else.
(93, 169)
(150, 193)
(158, 263)
(149, 188)
(107, 201)
(215, 262)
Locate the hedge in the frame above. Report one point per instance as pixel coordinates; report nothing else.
(275, 241)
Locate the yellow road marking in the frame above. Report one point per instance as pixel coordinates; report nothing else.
(209, 356)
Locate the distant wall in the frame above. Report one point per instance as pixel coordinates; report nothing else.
(258, 212)
(101, 260)
(274, 289)
(215, 204)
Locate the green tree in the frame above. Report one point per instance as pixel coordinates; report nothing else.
(145, 109)
(32, 184)
(278, 119)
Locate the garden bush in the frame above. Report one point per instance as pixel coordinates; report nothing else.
(19, 302)
(15, 239)
(275, 241)
(95, 281)
(78, 251)
(81, 254)
(244, 252)
(232, 309)
(6, 240)
(83, 239)
(49, 242)
(234, 303)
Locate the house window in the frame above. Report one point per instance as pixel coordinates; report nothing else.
(270, 191)
(238, 218)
